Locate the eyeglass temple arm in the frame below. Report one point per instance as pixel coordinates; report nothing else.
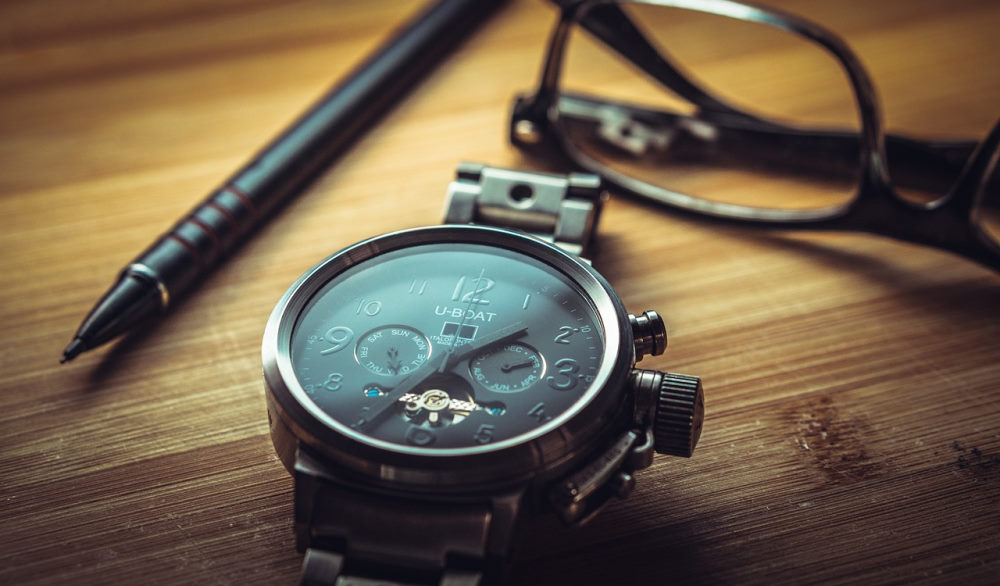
(930, 165)
(609, 24)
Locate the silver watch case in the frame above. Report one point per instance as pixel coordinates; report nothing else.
(593, 423)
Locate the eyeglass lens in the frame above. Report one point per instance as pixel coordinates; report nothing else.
(724, 57)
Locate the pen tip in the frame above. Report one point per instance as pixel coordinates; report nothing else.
(73, 350)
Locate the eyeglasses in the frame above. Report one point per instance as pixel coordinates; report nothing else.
(753, 153)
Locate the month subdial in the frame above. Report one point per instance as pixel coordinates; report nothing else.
(509, 368)
(393, 350)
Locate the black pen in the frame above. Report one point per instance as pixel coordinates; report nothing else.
(283, 168)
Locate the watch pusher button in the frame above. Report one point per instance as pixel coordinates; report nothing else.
(649, 334)
(675, 406)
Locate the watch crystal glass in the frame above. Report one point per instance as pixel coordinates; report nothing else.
(446, 346)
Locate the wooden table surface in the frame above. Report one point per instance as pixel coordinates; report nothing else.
(853, 383)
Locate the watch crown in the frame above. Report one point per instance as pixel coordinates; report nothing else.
(680, 409)
(649, 334)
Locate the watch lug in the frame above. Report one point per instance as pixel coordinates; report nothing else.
(581, 495)
(308, 475)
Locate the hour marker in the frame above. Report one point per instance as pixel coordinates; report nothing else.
(418, 286)
(369, 307)
(419, 436)
(538, 412)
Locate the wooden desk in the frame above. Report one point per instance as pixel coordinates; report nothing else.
(853, 383)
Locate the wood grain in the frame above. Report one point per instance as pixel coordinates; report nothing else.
(853, 383)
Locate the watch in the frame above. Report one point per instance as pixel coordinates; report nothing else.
(434, 391)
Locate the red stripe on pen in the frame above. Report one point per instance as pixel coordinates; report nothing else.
(225, 213)
(189, 246)
(207, 230)
(243, 197)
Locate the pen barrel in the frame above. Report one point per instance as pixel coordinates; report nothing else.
(200, 239)
(294, 158)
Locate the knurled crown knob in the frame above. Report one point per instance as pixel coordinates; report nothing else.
(649, 334)
(680, 409)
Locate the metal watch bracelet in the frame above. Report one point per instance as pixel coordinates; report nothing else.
(560, 209)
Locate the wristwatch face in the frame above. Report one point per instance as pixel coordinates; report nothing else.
(452, 347)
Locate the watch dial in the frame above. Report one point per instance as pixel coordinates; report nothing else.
(443, 346)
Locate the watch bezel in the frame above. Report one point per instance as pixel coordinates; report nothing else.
(592, 418)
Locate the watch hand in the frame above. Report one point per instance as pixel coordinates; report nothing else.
(374, 412)
(456, 355)
(465, 316)
(392, 360)
(507, 367)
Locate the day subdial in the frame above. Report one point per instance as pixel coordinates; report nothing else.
(392, 350)
(507, 369)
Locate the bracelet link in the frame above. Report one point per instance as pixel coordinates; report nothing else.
(559, 209)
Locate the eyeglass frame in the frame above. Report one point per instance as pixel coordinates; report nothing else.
(949, 222)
